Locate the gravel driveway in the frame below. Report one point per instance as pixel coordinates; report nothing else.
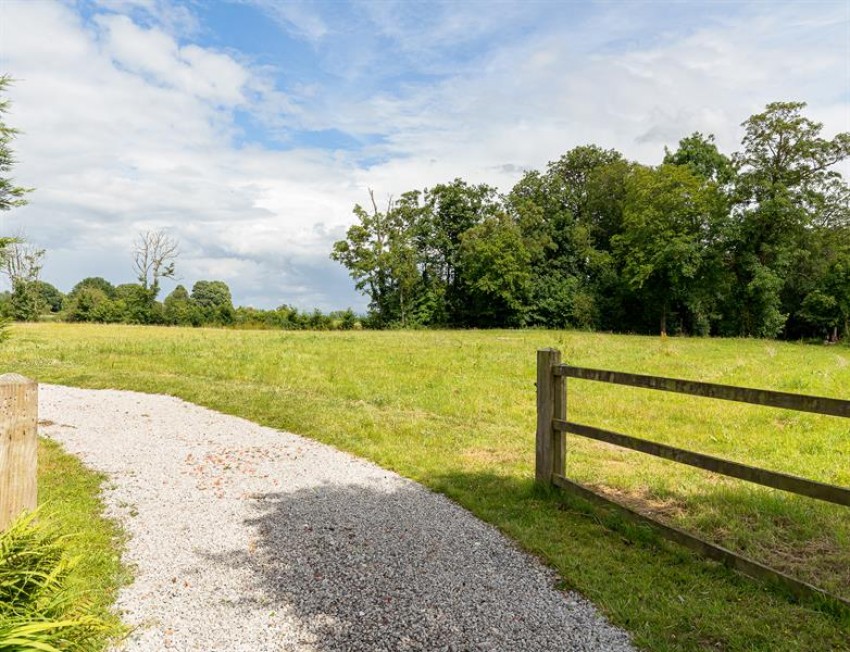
(245, 538)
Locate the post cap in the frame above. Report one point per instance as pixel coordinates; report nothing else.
(15, 379)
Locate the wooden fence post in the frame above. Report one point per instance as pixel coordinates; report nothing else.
(551, 404)
(18, 446)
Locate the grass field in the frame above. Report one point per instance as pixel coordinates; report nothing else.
(455, 411)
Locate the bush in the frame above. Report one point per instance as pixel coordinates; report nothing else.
(37, 610)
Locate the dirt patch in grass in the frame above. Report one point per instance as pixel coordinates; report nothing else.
(642, 501)
(489, 457)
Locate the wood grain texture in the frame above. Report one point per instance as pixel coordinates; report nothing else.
(18, 447)
(547, 360)
(799, 402)
(785, 482)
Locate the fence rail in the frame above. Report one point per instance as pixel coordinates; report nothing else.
(553, 426)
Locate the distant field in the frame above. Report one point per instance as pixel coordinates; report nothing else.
(455, 411)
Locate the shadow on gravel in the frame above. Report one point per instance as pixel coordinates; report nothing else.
(374, 567)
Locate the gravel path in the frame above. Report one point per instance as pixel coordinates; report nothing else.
(246, 539)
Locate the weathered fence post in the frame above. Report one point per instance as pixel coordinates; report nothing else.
(18, 446)
(551, 404)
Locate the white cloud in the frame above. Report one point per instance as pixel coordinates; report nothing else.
(131, 124)
(207, 75)
(295, 17)
(124, 131)
(172, 17)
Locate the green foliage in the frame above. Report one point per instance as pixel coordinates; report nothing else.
(787, 194)
(95, 282)
(409, 259)
(137, 304)
(179, 310)
(27, 302)
(38, 610)
(11, 195)
(699, 154)
(50, 296)
(213, 300)
(379, 254)
(90, 304)
(705, 243)
(672, 225)
(496, 270)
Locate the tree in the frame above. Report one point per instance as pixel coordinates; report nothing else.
(671, 224)
(154, 257)
(10, 194)
(568, 216)
(51, 297)
(700, 154)
(379, 253)
(449, 211)
(496, 272)
(96, 282)
(22, 266)
(214, 302)
(136, 304)
(91, 304)
(787, 182)
(179, 310)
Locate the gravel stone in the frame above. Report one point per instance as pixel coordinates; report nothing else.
(245, 538)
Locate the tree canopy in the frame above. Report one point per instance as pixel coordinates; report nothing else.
(756, 243)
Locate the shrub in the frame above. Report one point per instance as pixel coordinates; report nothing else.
(37, 610)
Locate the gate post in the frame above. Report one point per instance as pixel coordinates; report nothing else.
(551, 404)
(18, 447)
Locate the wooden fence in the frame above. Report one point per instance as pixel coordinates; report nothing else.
(553, 426)
(18, 447)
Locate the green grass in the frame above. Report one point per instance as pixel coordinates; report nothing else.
(455, 411)
(70, 505)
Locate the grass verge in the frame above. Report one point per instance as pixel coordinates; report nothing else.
(70, 505)
(455, 411)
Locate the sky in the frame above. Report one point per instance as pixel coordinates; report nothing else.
(249, 129)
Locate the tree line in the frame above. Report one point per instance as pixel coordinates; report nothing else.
(756, 243)
(96, 300)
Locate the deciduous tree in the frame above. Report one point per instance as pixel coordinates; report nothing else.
(154, 258)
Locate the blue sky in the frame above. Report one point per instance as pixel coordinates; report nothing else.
(249, 128)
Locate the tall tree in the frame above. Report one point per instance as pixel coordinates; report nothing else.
(700, 154)
(94, 282)
(787, 177)
(450, 210)
(380, 254)
(11, 195)
(22, 266)
(672, 222)
(178, 309)
(568, 216)
(497, 273)
(154, 258)
(364, 251)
